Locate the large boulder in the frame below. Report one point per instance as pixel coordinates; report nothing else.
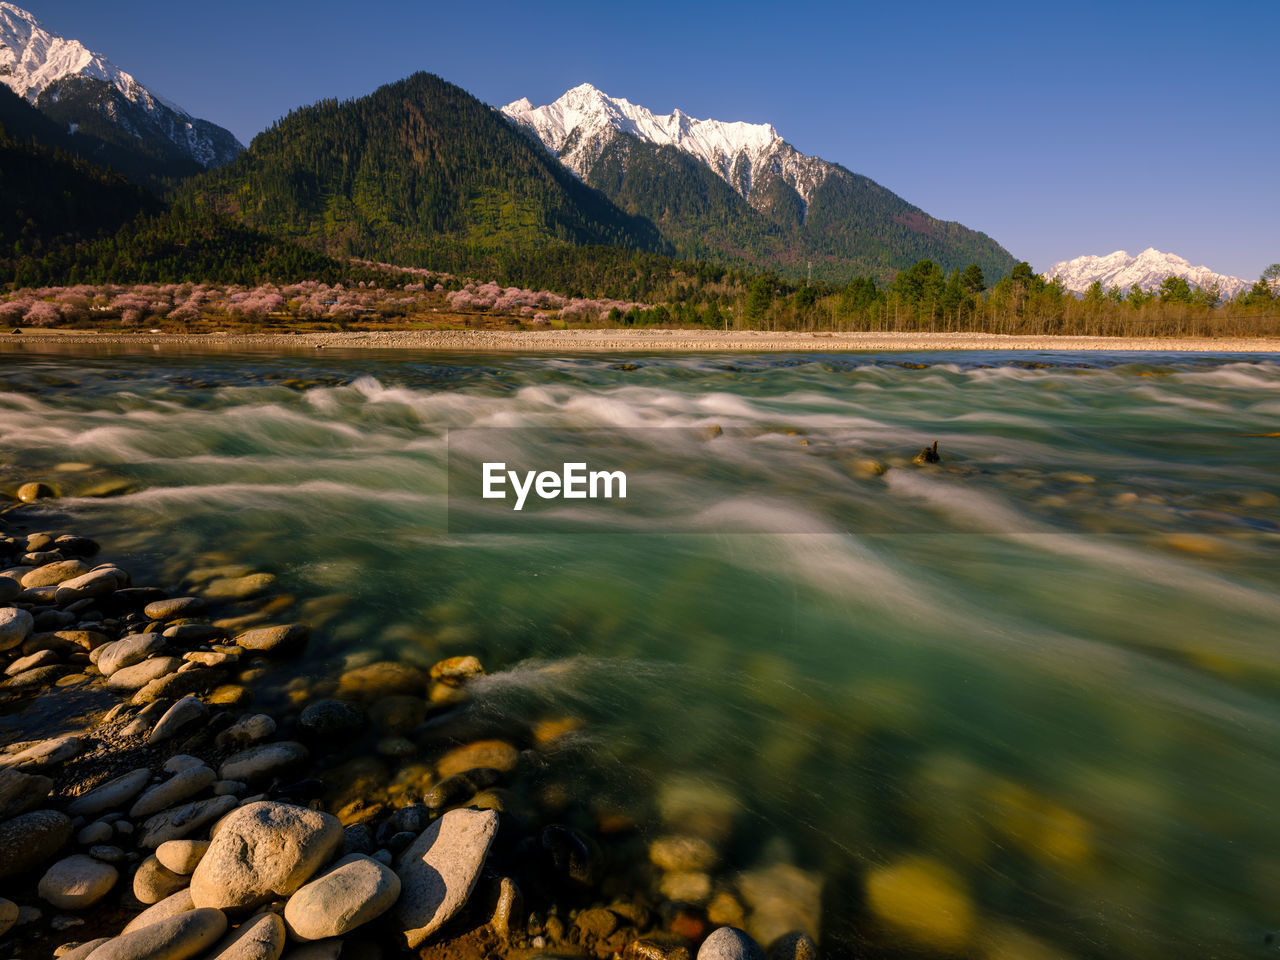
(262, 851)
(439, 870)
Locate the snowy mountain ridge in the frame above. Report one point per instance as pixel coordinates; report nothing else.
(32, 59)
(46, 70)
(578, 126)
(1146, 271)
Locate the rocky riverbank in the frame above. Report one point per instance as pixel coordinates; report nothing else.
(370, 809)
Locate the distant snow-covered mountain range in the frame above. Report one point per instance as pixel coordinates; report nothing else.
(580, 124)
(88, 93)
(1146, 271)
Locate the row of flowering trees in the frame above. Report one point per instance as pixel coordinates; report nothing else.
(309, 300)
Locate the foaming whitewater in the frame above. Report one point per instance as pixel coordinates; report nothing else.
(1047, 663)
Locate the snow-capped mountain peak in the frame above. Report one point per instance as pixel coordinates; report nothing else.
(1146, 271)
(32, 59)
(578, 126)
(51, 72)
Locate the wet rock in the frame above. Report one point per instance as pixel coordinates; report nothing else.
(258, 938)
(928, 455)
(181, 715)
(130, 679)
(349, 894)
(8, 915)
(459, 787)
(72, 546)
(482, 755)
(45, 753)
(176, 823)
(923, 900)
(239, 588)
(230, 695)
(456, 671)
(77, 882)
(154, 882)
(686, 887)
(283, 639)
(181, 786)
(328, 717)
(596, 923)
(678, 853)
(188, 633)
(508, 909)
(730, 943)
(15, 626)
(22, 792)
(35, 490)
(781, 899)
(439, 870)
(382, 679)
(653, 949)
(262, 851)
(110, 795)
(170, 906)
(572, 855)
(52, 574)
(173, 608)
(175, 938)
(699, 808)
(262, 761)
(398, 714)
(793, 946)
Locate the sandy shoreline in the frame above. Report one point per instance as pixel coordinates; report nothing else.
(628, 341)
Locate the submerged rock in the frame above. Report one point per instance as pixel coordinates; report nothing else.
(283, 639)
(439, 870)
(31, 492)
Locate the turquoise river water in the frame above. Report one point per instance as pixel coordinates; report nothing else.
(1024, 703)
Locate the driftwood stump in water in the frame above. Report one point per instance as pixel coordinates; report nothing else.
(928, 455)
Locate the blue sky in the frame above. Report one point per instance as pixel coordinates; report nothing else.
(1058, 129)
